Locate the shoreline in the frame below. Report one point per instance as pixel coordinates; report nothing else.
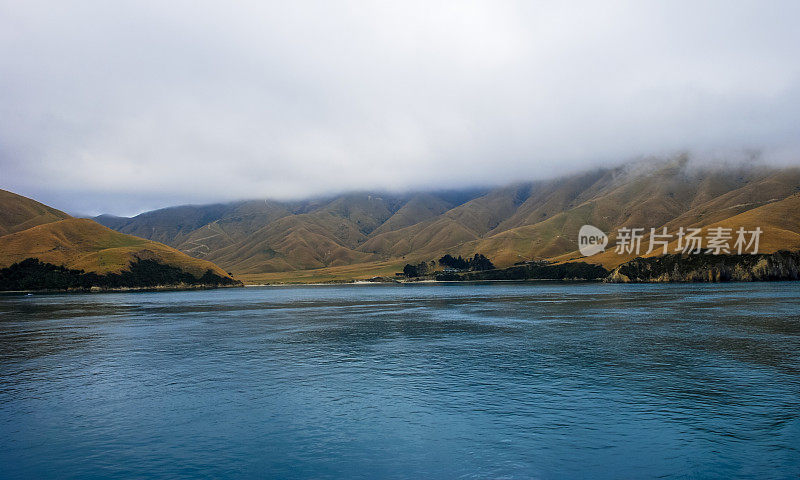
(95, 290)
(527, 280)
(157, 288)
(672, 268)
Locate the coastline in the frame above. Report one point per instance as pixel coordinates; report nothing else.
(702, 268)
(156, 288)
(672, 268)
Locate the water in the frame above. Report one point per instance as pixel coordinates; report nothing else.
(418, 381)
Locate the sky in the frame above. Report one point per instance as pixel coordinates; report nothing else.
(125, 106)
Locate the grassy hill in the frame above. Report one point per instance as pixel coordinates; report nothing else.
(779, 220)
(367, 232)
(19, 213)
(81, 244)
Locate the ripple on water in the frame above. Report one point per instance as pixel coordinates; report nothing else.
(541, 380)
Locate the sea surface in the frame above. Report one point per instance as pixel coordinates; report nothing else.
(502, 380)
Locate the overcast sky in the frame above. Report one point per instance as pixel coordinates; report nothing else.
(118, 107)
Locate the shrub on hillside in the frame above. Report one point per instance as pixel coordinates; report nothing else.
(32, 274)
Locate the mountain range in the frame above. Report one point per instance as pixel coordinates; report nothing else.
(361, 234)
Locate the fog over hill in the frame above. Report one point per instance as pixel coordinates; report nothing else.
(518, 222)
(124, 107)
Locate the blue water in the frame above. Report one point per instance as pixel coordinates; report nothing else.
(417, 381)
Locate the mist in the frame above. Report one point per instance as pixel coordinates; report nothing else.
(120, 107)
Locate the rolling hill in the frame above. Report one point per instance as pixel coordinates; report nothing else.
(81, 244)
(19, 213)
(338, 237)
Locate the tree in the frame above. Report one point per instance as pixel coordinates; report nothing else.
(410, 270)
(31, 274)
(477, 262)
(480, 263)
(452, 262)
(417, 270)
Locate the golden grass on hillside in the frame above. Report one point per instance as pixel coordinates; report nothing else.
(346, 273)
(350, 236)
(19, 213)
(779, 222)
(86, 245)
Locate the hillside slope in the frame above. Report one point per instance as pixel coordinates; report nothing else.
(55, 238)
(525, 221)
(83, 244)
(19, 213)
(778, 220)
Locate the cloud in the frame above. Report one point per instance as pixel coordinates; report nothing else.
(124, 106)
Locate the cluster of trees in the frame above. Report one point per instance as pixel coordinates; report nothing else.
(537, 271)
(31, 274)
(541, 271)
(418, 270)
(477, 263)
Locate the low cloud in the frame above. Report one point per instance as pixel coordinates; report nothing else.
(124, 106)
